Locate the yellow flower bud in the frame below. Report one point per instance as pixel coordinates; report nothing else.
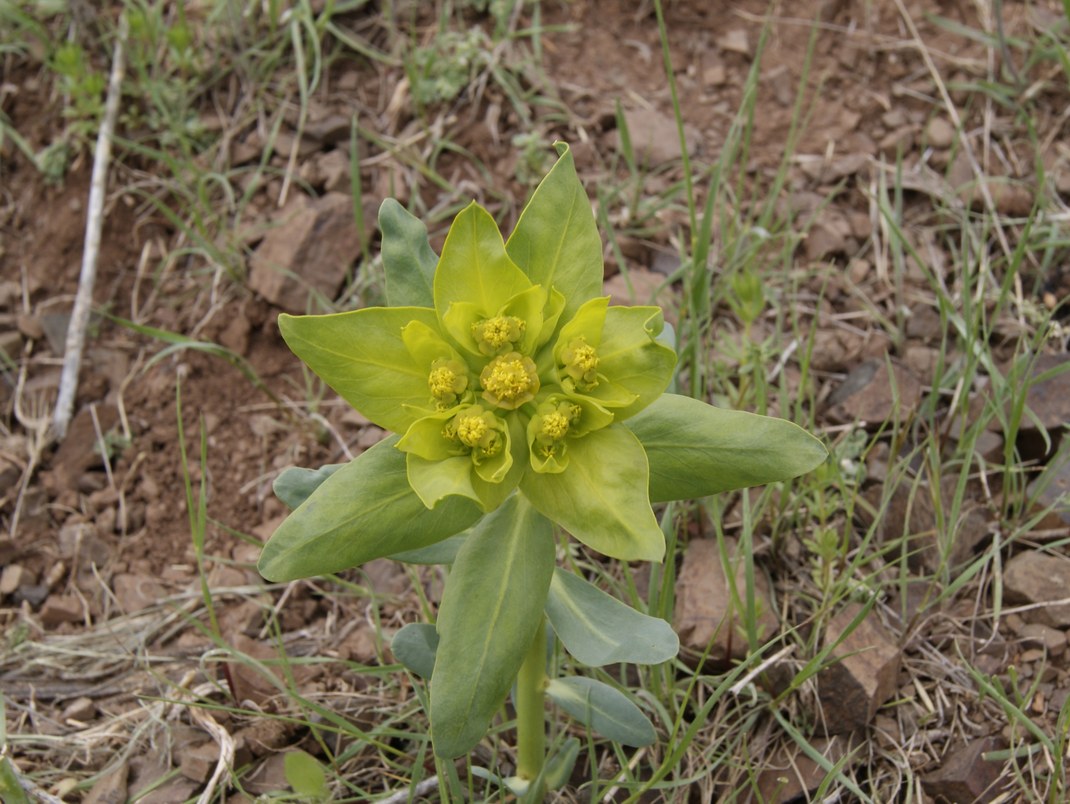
(509, 381)
(498, 334)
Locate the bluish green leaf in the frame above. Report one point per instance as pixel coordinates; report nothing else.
(443, 552)
(294, 485)
(696, 449)
(598, 629)
(603, 709)
(365, 510)
(414, 646)
(361, 355)
(556, 241)
(559, 766)
(408, 260)
(601, 497)
(490, 611)
(305, 775)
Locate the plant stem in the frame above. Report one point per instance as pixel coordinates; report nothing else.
(530, 713)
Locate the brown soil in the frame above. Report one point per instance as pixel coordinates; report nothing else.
(97, 538)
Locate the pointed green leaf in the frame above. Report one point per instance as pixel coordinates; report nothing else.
(598, 629)
(601, 497)
(556, 241)
(362, 356)
(365, 510)
(474, 271)
(10, 787)
(490, 611)
(696, 449)
(603, 709)
(408, 259)
(414, 646)
(294, 485)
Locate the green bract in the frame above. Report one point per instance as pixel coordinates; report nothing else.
(501, 378)
(519, 398)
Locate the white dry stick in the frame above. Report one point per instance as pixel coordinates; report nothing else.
(72, 356)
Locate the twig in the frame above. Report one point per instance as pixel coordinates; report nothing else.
(76, 330)
(37, 793)
(422, 789)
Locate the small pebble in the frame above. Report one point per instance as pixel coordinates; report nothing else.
(939, 133)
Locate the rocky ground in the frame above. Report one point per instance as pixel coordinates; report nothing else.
(922, 160)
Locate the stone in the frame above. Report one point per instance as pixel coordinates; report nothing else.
(385, 577)
(136, 592)
(654, 137)
(60, 609)
(308, 253)
(715, 75)
(34, 594)
(264, 736)
(247, 682)
(965, 775)
(334, 169)
(829, 236)
(705, 610)
(939, 133)
(735, 41)
(864, 675)
(359, 646)
(197, 762)
(80, 709)
(923, 323)
(1049, 398)
(873, 394)
(1037, 635)
(12, 577)
(176, 790)
(921, 360)
(56, 573)
(11, 345)
(55, 326)
(1038, 580)
(270, 777)
(790, 775)
(330, 129)
(110, 788)
(30, 326)
(1049, 493)
(933, 540)
(834, 349)
(235, 335)
(80, 450)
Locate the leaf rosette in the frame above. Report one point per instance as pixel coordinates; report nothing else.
(517, 397)
(513, 363)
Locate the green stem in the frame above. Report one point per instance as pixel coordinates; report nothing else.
(530, 712)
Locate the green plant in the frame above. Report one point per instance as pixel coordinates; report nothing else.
(521, 401)
(440, 71)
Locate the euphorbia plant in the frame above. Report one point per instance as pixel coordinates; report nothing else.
(523, 405)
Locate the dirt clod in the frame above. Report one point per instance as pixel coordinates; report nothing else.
(864, 677)
(308, 251)
(1037, 580)
(966, 775)
(705, 608)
